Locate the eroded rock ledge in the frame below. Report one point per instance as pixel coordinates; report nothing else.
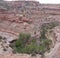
(55, 51)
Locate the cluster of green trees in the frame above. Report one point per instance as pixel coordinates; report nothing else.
(24, 45)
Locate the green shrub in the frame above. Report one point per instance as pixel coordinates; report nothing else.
(20, 44)
(23, 38)
(30, 48)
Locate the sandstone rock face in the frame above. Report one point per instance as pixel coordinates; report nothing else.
(13, 15)
(55, 51)
(57, 33)
(17, 17)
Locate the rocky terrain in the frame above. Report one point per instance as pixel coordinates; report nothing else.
(28, 16)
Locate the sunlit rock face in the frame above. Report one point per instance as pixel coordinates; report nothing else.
(10, 18)
(55, 51)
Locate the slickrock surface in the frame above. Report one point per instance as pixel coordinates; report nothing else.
(19, 56)
(55, 51)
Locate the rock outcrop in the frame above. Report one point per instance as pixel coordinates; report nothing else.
(55, 51)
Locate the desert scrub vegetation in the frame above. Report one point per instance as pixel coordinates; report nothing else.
(44, 29)
(24, 45)
(47, 26)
